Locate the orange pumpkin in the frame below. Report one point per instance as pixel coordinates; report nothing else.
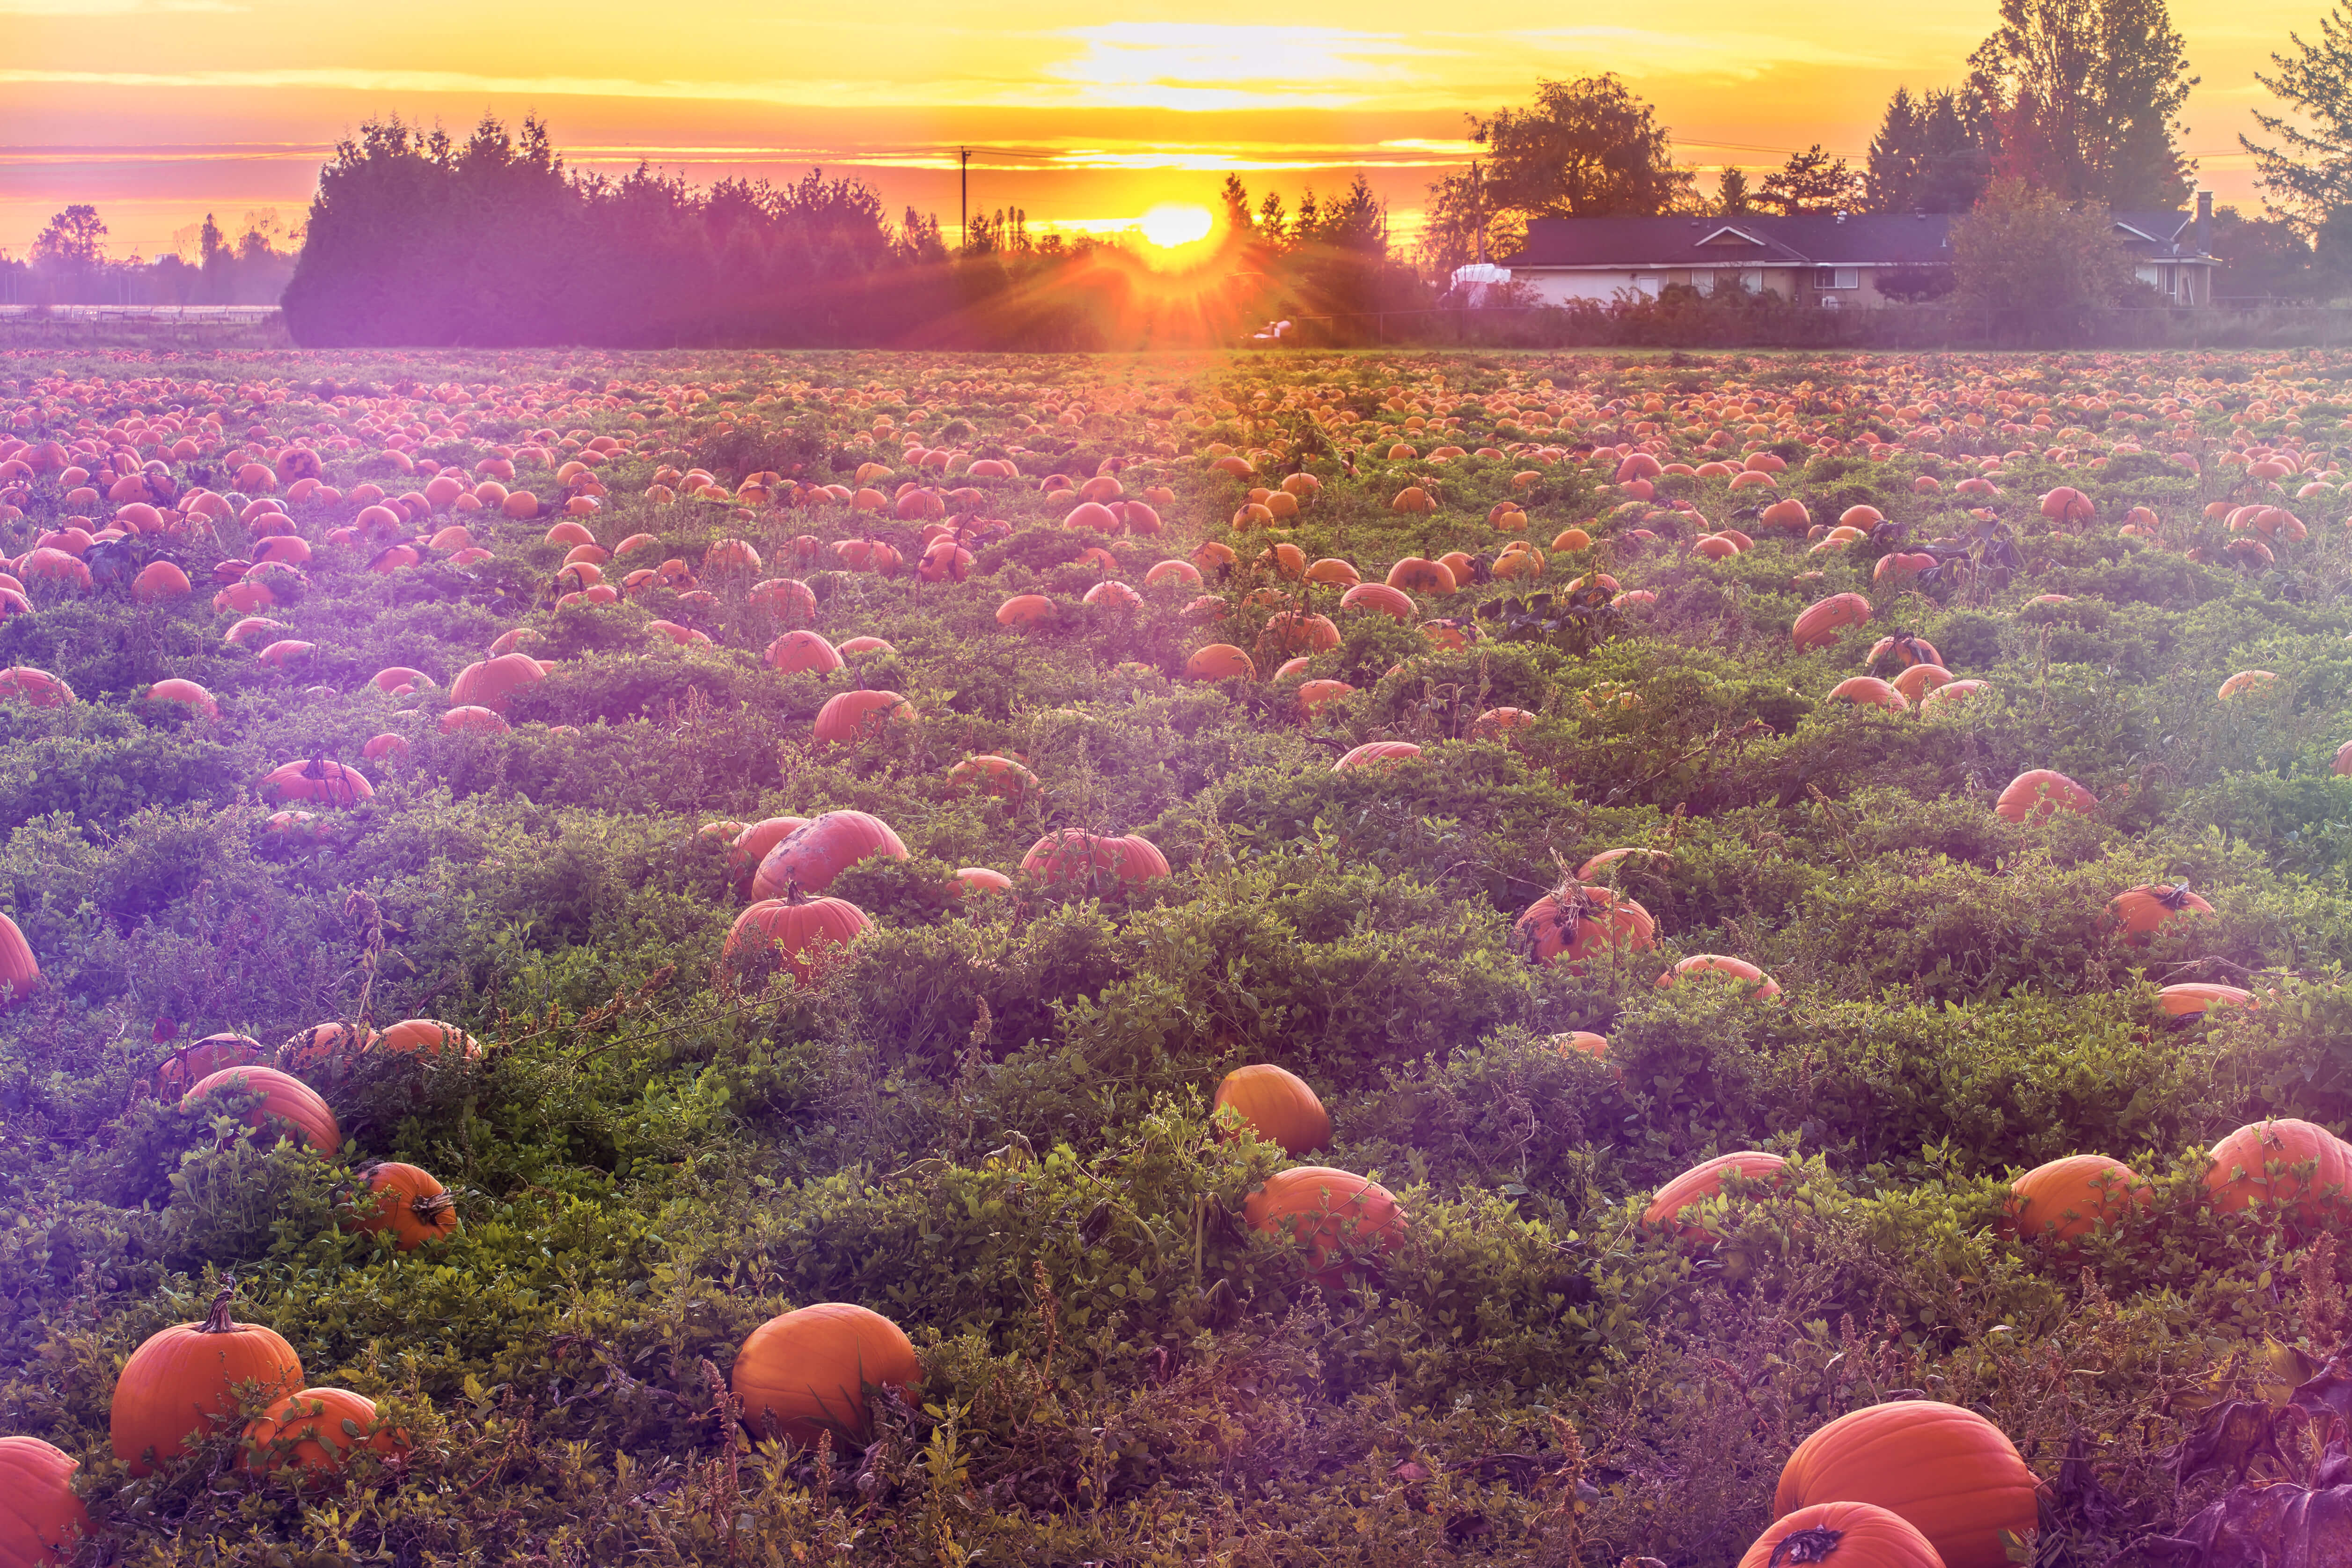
(1949, 1472)
(1578, 922)
(1705, 1180)
(794, 931)
(803, 650)
(19, 971)
(1220, 662)
(429, 1035)
(1820, 624)
(2140, 912)
(184, 1381)
(201, 1058)
(1381, 599)
(1375, 752)
(1276, 1105)
(1338, 1216)
(2064, 1199)
(317, 1431)
(2038, 791)
(1761, 985)
(813, 855)
(2260, 1164)
(1070, 856)
(2191, 997)
(850, 716)
(1869, 691)
(491, 683)
(319, 781)
(752, 845)
(285, 1100)
(1314, 694)
(809, 1373)
(1844, 1535)
(406, 1201)
(42, 1521)
(1000, 776)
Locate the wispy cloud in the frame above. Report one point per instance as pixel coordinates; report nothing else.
(110, 7)
(1201, 65)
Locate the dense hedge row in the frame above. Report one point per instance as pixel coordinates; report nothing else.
(988, 1119)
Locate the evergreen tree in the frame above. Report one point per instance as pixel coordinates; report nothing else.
(1811, 182)
(2087, 94)
(1731, 194)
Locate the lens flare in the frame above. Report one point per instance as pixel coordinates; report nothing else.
(1171, 224)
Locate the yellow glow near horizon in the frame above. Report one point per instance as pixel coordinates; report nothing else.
(1171, 224)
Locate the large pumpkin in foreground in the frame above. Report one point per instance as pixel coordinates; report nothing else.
(1278, 1106)
(1335, 1215)
(1843, 1535)
(19, 970)
(807, 1373)
(42, 1521)
(184, 1381)
(1951, 1473)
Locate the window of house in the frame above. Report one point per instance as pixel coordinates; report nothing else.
(1837, 277)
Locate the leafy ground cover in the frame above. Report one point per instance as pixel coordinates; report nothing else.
(1151, 587)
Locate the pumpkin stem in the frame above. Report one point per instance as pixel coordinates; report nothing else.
(2174, 897)
(792, 894)
(1805, 1546)
(216, 1319)
(429, 1209)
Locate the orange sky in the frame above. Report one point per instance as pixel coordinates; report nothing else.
(159, 110)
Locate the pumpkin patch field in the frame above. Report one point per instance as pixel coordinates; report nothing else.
(1259, 959)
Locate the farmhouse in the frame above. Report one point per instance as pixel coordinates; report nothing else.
(1835, 259)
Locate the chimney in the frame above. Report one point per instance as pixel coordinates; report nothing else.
(2204, 223)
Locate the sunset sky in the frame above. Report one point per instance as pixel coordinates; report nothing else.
(159, 110)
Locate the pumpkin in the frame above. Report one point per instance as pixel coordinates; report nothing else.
(794, 931)
(1000, 776)
(470, 718)
(850, 716)
(42, 1521)
(813, 855)
(1949, 1472)
(1705, 1180)
(1577, 923)
(1416, 574)
(1314, 694)
(1917, 680)
(491, 683)
(1220, 662)
(811, 1372)
(1380, 599)
(981, 879)
(429, 1035)
(1820, 624)
(1844, 1535)
(1607, 858)
(1869, 691)
(2065, 504)
(1762, 986)
(184, 1381)
(19, 971)
(1276, 1105)
(2064, 1199)
(2260, 1164)
(1372, 751)
(2038, 791)
(1904, 650)
(751, 847)
(317, 1431)
(406, 1201)
(1336, 1216)
(2192, 997)
(1071, 855)
(2246, 681)
(1025, 610)
(201, 1058)
(1951, 695)
(285, 1100)
(318, 781)
(2140, 911)
(33, 687)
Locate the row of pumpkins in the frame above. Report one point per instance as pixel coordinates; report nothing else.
(1900, 1484)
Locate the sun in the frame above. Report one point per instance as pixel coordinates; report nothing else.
(1171, 224)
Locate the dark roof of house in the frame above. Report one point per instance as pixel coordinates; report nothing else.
(1756, 239)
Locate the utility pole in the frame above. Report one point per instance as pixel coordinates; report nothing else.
(963, 200)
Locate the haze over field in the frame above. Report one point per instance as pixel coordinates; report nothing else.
(160, 111)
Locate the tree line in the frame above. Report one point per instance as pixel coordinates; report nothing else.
(417, 238)
(68, 264)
